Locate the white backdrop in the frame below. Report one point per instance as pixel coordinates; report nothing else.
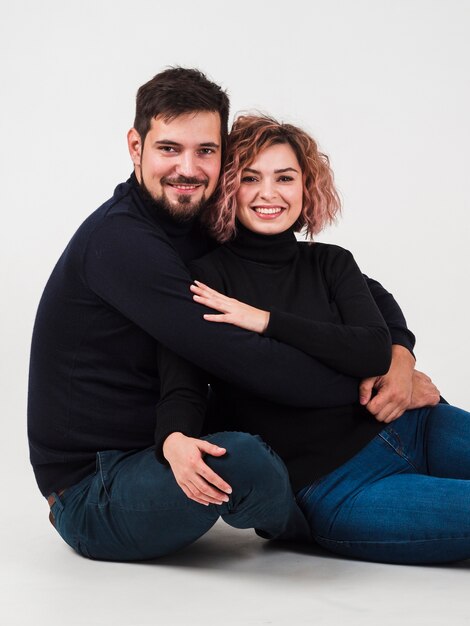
(384, 86)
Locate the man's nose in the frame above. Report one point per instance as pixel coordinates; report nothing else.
(187, 165)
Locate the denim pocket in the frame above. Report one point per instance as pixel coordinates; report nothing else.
(102, 469)
(107, 463)
(392, 438)
(100, 490)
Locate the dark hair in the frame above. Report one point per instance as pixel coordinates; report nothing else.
(176, 91)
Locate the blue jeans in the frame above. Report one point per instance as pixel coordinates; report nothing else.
(404, 498)
(131, 508)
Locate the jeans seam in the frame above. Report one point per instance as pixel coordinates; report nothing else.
(102, 475)
(400, 450)
(387, 543)
(82, 549)
(310, 489)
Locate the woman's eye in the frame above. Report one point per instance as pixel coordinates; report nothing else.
(285, 179)
(248, 179)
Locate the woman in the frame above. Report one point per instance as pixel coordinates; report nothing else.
(399, 493)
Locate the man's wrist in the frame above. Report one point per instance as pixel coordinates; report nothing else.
(403, 354)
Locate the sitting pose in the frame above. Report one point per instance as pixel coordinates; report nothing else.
(394, 489)
(119, 290)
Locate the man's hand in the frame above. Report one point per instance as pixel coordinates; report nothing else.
(231, 311)
(400, 389)
(394, 389)
(425, 392)
(196, 479)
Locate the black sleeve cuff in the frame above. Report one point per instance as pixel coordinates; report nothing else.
(403, 337)
(175, 417)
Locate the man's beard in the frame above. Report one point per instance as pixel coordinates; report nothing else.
(185, 209)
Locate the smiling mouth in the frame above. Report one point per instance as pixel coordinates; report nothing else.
(265, 212)
(184, 188)
(184, 185)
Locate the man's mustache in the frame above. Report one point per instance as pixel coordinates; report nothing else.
(185, 180)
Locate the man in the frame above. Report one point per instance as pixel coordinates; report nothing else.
(119, 289)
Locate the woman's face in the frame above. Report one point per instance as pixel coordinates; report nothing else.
(270, 197)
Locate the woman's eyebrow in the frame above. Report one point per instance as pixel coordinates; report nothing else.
(281, 171)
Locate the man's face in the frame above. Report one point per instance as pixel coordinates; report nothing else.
(179, 162)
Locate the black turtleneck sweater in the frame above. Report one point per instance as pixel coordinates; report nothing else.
(121, 287)
(319, 302)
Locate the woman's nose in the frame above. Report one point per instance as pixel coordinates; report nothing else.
(268, 190)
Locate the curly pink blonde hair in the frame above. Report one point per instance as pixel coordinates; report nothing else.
(250, 135)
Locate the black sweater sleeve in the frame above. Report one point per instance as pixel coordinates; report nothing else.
(183, 398)
(151, 288)
(360, 346)
(392, 314)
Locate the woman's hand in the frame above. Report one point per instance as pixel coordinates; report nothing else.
(196, 479)
(231, 311)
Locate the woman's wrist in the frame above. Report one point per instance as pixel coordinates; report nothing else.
(264, 321)
(169, 442)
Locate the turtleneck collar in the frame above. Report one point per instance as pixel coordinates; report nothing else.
(156, 212)
(275, 250)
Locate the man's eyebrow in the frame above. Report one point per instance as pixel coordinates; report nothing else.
(281, 171)
(169, 142)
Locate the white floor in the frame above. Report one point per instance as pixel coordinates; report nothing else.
(229, 577)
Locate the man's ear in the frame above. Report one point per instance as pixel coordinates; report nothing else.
(134, 143)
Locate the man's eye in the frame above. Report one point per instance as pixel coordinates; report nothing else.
(207, 151)
(167, 149)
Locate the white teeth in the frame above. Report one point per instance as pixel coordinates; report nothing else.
(266, 211)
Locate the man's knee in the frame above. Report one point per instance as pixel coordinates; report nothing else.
(248, 461)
